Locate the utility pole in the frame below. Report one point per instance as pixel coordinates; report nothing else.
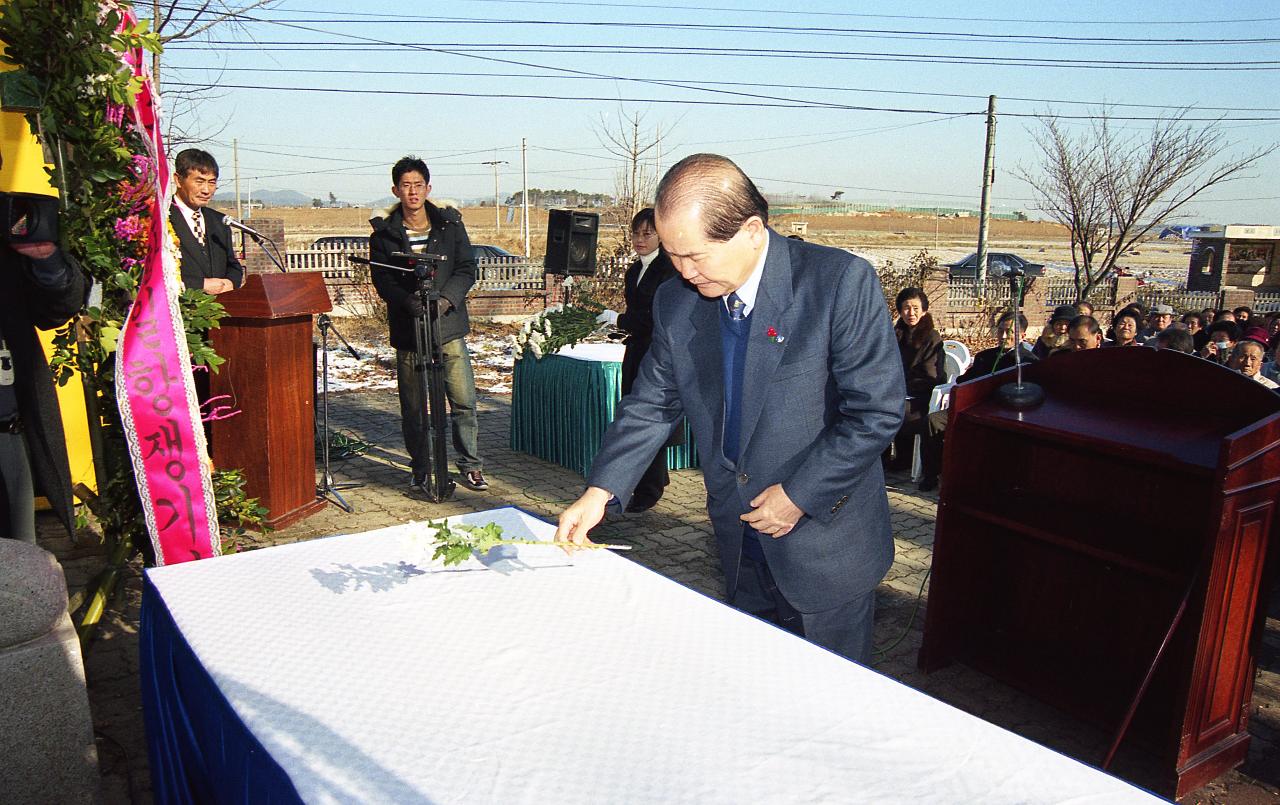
(235, 160)
(984, 213)
(524, 194)
(497, 209)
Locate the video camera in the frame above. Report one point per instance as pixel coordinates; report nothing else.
(28, 218)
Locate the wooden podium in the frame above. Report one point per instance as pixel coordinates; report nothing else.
(1070, 535)
(269, 376)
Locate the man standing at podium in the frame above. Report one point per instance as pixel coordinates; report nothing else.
(414, 224)
(208, 260)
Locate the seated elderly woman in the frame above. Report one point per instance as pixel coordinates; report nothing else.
(920, 346)
(1126, 325)
(1054, 337)
(1246, 359)
(1223, 335)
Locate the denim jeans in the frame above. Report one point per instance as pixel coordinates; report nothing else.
(459, 389)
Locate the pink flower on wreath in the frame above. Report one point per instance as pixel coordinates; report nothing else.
(128, 228)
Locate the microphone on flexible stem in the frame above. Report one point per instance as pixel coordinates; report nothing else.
(1018, 395)
(262, 240)
(243, 227)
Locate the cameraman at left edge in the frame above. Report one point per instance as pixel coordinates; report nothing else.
(40, 286)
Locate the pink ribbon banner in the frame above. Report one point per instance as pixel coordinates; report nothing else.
(154, 385)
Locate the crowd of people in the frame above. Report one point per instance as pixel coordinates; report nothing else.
(1238, 339)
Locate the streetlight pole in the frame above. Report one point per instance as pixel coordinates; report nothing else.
(497, 210)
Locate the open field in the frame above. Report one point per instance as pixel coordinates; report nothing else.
(877, 236)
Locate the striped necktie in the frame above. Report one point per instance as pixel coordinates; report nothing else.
(197, 227)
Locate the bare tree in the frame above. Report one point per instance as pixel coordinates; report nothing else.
(197, 18)
(640, 152)
(175, 21)
(1111, 189)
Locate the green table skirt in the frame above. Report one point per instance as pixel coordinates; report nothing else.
(561, 406)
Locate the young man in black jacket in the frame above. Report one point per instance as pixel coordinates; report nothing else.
(40, 287)
(414, 224)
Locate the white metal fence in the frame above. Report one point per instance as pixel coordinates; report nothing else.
(492, 274)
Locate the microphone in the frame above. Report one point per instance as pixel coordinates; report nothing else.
(245, 228)
(262, 240)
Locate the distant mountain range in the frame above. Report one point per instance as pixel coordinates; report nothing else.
(269, 198)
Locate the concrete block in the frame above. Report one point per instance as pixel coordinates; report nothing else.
(46, 732)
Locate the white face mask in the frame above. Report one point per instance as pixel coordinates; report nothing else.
(1223, 346)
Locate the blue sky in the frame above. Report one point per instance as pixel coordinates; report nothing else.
(823, 60)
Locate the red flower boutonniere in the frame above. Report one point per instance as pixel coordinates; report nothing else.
(774, 337)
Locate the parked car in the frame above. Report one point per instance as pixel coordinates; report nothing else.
(484, 251)
(997, 264)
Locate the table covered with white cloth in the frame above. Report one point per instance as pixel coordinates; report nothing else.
(356, 669)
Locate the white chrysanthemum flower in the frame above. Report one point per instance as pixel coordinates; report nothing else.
(536, 350)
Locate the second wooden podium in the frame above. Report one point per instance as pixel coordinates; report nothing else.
(1105, 550)
(269, 377)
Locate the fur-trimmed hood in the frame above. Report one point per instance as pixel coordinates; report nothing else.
(917, 336)
(435, 211)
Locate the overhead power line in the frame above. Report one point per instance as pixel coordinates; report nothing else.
(810, 30)
(688, 102)
(844, 14)
(826, 87)
(726, 52)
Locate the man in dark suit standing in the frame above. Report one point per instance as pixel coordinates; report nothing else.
(644, 276)
(781, 356)
(208, 260)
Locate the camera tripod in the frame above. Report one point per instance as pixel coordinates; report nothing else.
(428, 364)
(327, 489)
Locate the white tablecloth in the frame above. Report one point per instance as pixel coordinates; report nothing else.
(372, 676)
(593, 352)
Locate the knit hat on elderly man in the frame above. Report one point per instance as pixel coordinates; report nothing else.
(1067, 312)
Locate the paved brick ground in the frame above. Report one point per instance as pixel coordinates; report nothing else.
(674, 539)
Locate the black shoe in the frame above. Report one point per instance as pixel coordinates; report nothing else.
(418, 483)
(928, 484)
(638, 505)
(474, 480)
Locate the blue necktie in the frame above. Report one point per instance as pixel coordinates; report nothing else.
(737, 308)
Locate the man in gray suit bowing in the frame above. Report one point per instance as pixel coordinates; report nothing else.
(781, 355)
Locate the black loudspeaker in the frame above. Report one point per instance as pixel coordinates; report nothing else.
(571, 242)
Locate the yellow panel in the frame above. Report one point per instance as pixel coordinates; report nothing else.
(23, 170)
(75, 422)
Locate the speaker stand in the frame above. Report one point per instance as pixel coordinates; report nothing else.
(567, 285)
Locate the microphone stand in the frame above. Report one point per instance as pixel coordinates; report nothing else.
(273, 254)
(327, 489)
(1018, 395)
(428, 364)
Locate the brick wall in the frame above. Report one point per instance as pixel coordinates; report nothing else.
(253, 256)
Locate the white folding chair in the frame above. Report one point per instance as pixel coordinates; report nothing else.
(958, 360)
(955, 362)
